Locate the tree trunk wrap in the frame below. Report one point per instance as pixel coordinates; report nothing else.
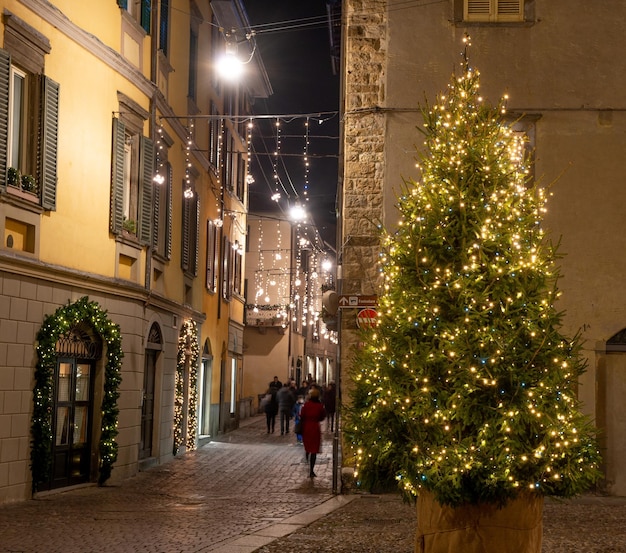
(482, 528)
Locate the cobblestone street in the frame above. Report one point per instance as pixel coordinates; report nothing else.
(249, 491)
(203, 501)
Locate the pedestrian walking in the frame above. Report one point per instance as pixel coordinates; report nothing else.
(271, 409)
(311, 414)
(286, 401)
(275, 384)
(297, 420)
(329, 401)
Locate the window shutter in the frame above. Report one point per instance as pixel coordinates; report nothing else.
(5, 71)
(185, 246)
(49, 143)
(156, 223)
(145, 15)
(197, 236)
(510, 9)
(146, 171)
(494, 10)
(164, 25)
(117, 177)
(479, 9)
(211, 253)
(123, 4)
(168, 217)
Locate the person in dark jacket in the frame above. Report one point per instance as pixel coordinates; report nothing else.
(311, 414)
(286, 401)
(329, 400)
(271, 409)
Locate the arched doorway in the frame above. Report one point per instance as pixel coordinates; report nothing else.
(205, 380)
(153, 350)
(72, 422)
(79, 358)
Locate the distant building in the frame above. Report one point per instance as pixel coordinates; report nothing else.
(284, 334)
(565, 94)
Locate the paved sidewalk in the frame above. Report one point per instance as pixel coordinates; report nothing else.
(233, 495)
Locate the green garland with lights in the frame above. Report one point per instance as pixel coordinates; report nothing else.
(467, 388)
(55, 326)
(188, 352)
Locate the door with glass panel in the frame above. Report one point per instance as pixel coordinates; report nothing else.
(72, 422)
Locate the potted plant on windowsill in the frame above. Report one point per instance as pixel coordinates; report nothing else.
(25, 186)
(129, 226)
(29, 184)
(13, 177)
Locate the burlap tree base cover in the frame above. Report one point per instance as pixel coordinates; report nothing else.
(482, 528)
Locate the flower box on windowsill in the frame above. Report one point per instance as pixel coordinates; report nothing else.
(22, 185)
(30, 196)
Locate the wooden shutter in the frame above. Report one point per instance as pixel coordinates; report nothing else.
(494, 10)
(146, 172)
(164, 26)
(185, 253)
(159, 194)
(211, 255)
(168, 215)
(5, 75)
(49, 143)
(145, 15)
(117, 177)
(510, 10)
(196, 237)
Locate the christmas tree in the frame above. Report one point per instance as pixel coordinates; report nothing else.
(467, 387)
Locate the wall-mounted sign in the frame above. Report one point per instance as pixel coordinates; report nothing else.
(367, 318)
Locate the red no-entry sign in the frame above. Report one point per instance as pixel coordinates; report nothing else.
(366, 318)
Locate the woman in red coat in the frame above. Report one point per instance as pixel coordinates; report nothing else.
(311, 414)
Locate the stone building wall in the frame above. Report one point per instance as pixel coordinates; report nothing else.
(364, 166)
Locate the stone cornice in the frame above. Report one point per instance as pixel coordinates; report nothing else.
(52, 15)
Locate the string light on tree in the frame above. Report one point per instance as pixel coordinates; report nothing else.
(467, 388)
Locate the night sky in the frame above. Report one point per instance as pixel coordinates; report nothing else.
(293, 41)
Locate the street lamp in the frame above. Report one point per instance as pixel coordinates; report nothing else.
(229, 64)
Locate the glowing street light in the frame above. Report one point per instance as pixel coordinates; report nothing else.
(297, 213)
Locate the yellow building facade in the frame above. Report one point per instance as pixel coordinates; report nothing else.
(123, 201)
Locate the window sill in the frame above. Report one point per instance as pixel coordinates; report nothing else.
(24, 200)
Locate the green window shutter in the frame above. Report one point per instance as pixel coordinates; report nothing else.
(156, 224)
(146, 171)
(117, 177)
(49, 143)
(145, 15)
(185, 252)
(123, 4)
(196, 237)
(168, 216)
(5, 71)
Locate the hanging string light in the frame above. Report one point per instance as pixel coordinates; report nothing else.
(249, 177)
(306, 160)
(188, 193)
(276, 195)
(159, 178)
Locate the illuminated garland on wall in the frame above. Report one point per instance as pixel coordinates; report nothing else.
(188, 353)
(55, 326)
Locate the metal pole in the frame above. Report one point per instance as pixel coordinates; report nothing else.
(336, 465)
